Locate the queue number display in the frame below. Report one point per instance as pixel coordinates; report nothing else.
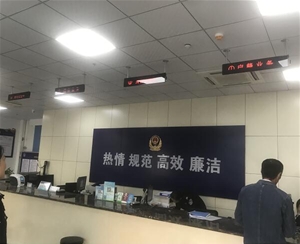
(255, 65)
(18, 96)
(69, 89)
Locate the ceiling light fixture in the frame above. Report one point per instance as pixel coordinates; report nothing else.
(69, 99)
(2, 108)
(292, 74)
(86, 42)
(278, 7)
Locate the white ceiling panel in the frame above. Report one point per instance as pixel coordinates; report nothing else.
(199, 42)
(158, 97)
(87, 13)
(123, 93)
(137, 70)
(117, 100)
(54, 50)
(138, 99)
(196, 86)
(294, 61)
(109, 75)
(293, 85)
(116, 58)
(38, 73)
(182, 95)
(137, 7)
(234, 90)
(85, 64)
(173, 65)
(216, 13)
(148, 52)
(203, 60)
(10, 82)
(12, 65)
(4, 71)
(89, 80)
(107, 87)
(274, 76)
(19, 77)
(292, 46)
(240, 34)
(29, 57)
(283, 26)
(169, 88)
(2, 16)
(103, 95)
(168, 21)
(208, 93)
(61, 69)
(19, 34)
(124, 33)
(270, 87)
(183, 77)
(49, 22)
(143, 90)
(6, 46)
(9, 7)
(255, 51)
(40, 86)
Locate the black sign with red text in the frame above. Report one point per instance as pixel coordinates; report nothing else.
(147, 79)
(70, 89)
(255, 65)
(18, 96)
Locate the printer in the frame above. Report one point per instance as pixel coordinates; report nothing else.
(17, 180)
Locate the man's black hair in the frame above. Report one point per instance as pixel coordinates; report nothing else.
(1, 151)
(270, 168)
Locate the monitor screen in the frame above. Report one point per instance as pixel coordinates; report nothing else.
(81, 181)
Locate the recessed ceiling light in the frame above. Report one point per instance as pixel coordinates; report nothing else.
(69, 99)
(278, 7)
(85, 42)
(2, 108)
(292, 74)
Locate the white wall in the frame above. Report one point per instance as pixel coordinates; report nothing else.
(6, 123)
(29, 134)
(272, 130)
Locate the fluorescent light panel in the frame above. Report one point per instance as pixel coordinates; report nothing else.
(278, 7)
(292, 74)
(2, 108)
(86, 42)
(69, 99)
(153, 80)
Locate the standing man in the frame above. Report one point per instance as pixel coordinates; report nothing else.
(2, 213)
(266, 212)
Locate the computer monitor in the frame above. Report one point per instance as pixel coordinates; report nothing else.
(81, 181)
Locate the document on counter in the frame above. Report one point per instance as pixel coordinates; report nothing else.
(203, 216)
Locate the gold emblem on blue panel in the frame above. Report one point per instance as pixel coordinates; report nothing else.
(155, 143)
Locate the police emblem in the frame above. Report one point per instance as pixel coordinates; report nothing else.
(155, 143)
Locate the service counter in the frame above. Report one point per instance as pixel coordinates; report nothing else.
(35, 217)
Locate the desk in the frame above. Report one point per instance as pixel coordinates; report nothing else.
(36, 219)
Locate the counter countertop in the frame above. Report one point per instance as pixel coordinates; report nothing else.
(224, 225)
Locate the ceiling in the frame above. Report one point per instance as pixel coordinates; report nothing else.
(145, 33)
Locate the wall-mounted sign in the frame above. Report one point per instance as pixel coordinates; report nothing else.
(69, 89)
(7, 141)
(145, 80)
(208, 160)
(18, 96)
(255, 65)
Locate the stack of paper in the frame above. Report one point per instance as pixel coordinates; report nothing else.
(198, 215)
(202, 215)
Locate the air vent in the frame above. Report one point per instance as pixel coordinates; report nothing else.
(217, 79)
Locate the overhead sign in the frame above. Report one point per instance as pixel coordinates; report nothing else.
(147, 79)
(208, 160)
(70, 89)
(255, 65)
(18, 96)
